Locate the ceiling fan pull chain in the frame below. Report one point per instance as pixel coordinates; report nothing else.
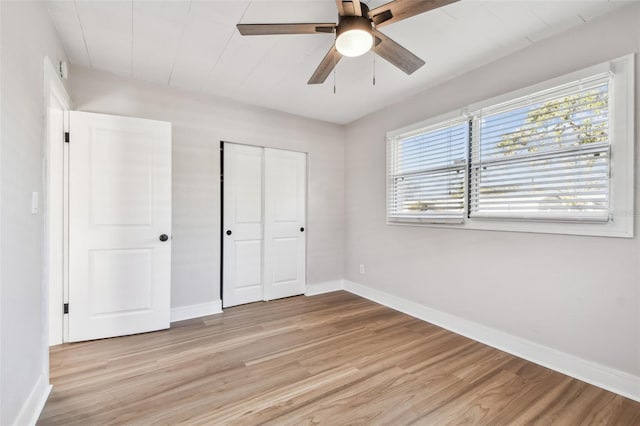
(374, 62)
(334, 75)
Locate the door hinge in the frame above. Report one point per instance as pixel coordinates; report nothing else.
(66, 308)
(66, 137)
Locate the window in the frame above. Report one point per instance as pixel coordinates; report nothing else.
(556, 157)
(427, 172)
(545, 156)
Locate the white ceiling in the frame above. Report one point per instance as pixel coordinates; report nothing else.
(194, 45)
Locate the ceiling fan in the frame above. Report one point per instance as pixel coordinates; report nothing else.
(357, 33)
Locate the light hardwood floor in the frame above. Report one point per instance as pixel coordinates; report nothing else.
(331, 359)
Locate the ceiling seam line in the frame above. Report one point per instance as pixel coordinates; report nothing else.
(226, 46)
(84, 37)
(255, 67)
(184, 28)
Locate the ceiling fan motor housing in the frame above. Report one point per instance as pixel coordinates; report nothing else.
(348, 23)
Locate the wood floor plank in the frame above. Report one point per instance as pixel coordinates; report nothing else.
(330, 359)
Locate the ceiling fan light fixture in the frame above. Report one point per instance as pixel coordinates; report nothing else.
(353, 36)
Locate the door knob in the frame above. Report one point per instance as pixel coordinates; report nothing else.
(301, 229)
(164, 237)
(229, 232)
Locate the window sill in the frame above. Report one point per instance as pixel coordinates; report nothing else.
(614, 229)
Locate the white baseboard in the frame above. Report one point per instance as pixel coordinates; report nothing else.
(324, 287)
(608, 378)
(32, 407)
(195, 311)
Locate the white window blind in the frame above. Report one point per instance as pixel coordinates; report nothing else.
(545, 156)
(427, 173)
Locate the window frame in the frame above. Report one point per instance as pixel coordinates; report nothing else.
(622, 147)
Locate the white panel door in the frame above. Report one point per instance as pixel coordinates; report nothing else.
(119, 226)
(285, 218)
(242, 225)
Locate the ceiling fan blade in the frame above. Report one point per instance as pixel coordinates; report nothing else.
(326, 66)
(272, 29)
(396, 54)
(382, 17)
(402, 9)
(357, 7)
(349, 7)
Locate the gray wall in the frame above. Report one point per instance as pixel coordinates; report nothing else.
(199, 124)
(579, 295)
(576, 294)
(27, 37)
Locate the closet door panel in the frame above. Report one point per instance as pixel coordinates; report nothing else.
(285, 221)
(243, 248)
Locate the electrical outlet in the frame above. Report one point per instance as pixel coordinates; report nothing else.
(362, 268)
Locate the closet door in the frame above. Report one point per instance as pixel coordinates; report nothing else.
(243, 225)
(285, 221)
